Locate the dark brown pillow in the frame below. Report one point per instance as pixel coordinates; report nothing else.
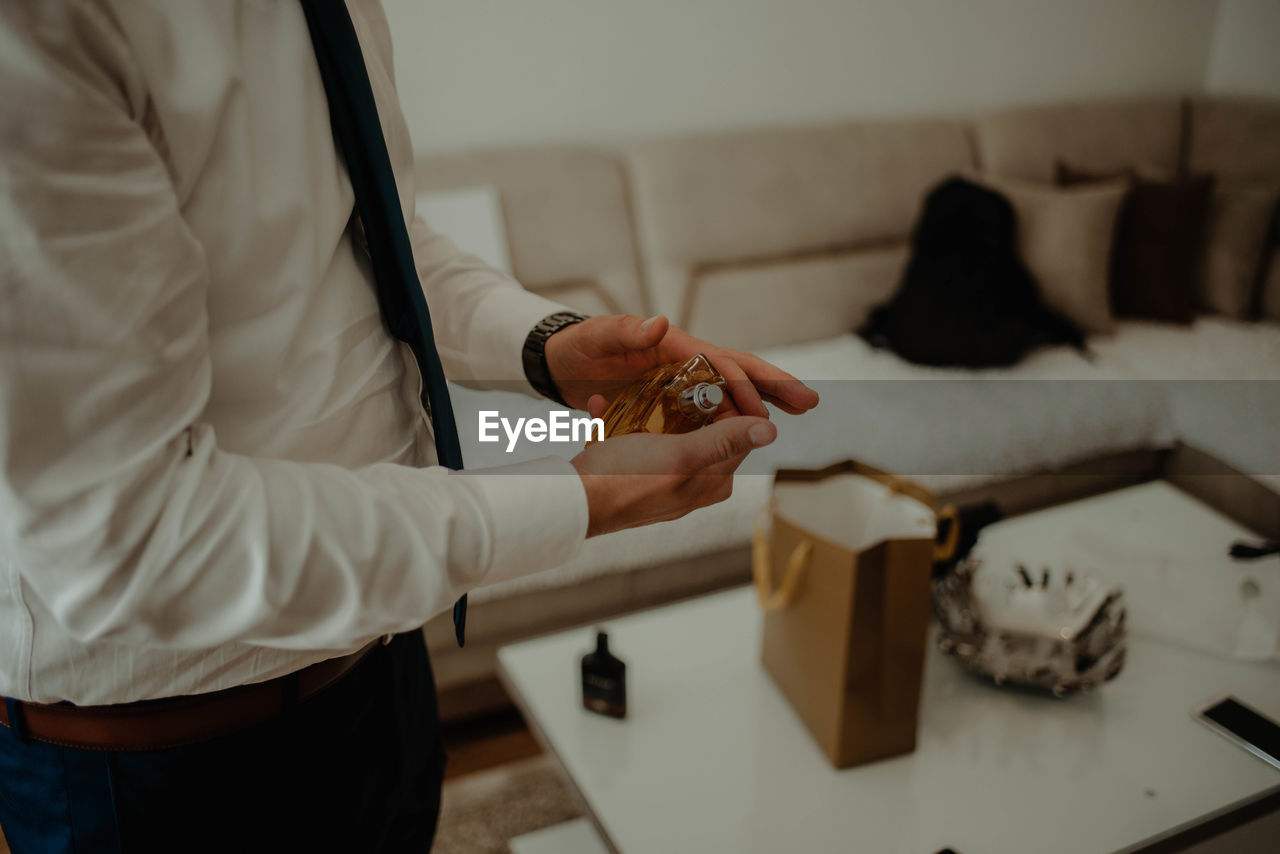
(1159, 237)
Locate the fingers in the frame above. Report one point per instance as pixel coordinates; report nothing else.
(741, 389)
(778, 387)
(597, 405)
(625, 332)
(752, 381)
(784, 405)
(725, 440)
(638, 479)
(649, 332)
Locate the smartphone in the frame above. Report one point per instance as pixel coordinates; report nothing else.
(1246, 727)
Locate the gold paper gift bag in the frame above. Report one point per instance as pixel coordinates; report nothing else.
(845, 584)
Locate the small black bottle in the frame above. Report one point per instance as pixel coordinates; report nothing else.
(604, 680)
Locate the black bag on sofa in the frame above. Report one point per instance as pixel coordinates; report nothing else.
(966, 298)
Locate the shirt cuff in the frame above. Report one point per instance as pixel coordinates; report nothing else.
(538, 513)
(520, 311)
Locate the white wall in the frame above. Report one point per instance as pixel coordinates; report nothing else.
(1245, 55)
(499, 72)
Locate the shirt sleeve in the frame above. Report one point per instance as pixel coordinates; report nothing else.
(480, 316)
(117, 507)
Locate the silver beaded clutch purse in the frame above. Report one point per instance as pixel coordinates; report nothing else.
(1059, 629)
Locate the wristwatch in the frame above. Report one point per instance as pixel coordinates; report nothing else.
(534, 354)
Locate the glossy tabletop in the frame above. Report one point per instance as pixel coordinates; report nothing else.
(712, 758)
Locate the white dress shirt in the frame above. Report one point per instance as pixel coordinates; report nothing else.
(214, 469)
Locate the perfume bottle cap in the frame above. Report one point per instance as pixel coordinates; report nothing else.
(706, 397)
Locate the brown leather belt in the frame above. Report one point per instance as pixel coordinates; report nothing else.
(177, 721)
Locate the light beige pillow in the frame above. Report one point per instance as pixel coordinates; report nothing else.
(1236, 229)
(1065, 236)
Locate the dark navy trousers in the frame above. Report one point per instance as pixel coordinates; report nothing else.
(357, 767)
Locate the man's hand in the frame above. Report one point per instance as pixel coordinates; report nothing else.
(604, 355)
(641, 478)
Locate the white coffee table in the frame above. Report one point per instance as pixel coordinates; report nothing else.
(713, 759)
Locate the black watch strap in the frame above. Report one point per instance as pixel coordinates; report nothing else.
(534, 355)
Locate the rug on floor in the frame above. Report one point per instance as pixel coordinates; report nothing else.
(481, 811)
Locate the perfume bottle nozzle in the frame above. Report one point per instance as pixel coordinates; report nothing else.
(705, 397)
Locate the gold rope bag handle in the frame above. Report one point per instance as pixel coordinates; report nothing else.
(946, 549)
(771, 598)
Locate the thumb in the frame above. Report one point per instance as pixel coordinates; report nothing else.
(728, 439)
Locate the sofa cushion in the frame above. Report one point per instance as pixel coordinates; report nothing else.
(1236, 234)
(471, 217)
(567, 216)
(1065, 238)
(1101, 137)
(775, 195)
(787, 301)
(1235, 138)
(1269, 298)
(1053, 408)
(1159, 244)
(1213, 348)
(1156, 271)
(1220, 378)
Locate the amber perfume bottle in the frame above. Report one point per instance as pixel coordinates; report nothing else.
(604, 680)
(671, 399)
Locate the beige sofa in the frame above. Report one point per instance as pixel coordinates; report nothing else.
(780, 241)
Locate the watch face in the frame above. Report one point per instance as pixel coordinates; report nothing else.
(551, 324)
(564, 318)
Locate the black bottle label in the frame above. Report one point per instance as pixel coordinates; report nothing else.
(604, 692)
